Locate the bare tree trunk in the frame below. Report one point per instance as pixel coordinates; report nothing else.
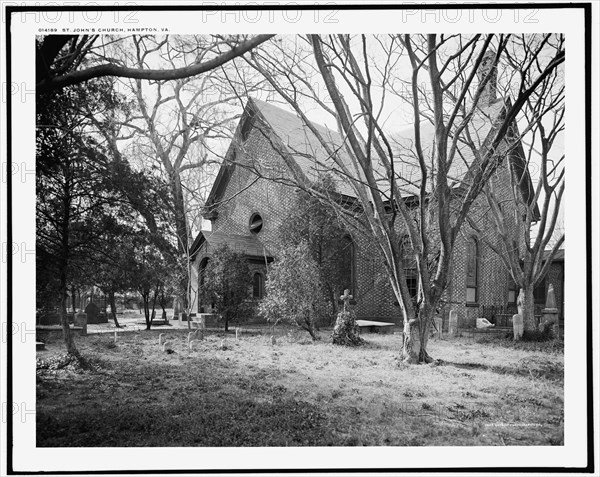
(408, 352)
(64, 321)
(528, 310)
(179, 207)
(64, 263)
(113, 307)
(426, 315)
(146, 304)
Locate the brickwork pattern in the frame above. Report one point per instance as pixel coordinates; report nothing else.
(373, 293)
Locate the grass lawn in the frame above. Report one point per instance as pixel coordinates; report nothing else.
(298, 393)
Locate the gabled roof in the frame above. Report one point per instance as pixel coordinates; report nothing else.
(311, 158)
(249, 245)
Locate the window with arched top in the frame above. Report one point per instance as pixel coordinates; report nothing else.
(472, 281)
(258, 285)
(409, 264)
(202, 307)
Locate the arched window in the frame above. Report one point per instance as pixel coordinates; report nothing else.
(202, 307)
(472, 281)
(258, 285)
(512, 291)
(409, 263)
(346, 257)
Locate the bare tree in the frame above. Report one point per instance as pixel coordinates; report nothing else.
(527, 219)
(410, 191)
(64, 60)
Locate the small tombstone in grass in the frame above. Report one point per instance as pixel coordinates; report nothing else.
(550, 312)
(160, 338)
(237, 334)
(518, 318)
(346, 331)
(193, 344)
(223, 346)
(453, 323)
(115, 336)
(81, 320)
(517, 326)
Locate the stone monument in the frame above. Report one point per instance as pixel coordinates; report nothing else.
(550, 312)
(453, 323)
(92, 311)
(346, 331)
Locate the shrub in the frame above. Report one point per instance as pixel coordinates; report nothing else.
(226, 282)
(293, 290)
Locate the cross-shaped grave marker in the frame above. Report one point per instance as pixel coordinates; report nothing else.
(346, 297)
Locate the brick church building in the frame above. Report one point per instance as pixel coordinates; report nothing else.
(254, 192)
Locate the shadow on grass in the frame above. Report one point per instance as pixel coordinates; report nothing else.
(217, 420)
(534, 367)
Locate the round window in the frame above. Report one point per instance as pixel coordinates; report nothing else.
(256, 223)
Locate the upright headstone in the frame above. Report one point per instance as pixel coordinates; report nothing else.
(517, 326)
(81, 320)
(176, 308)
(92, 311)
(453, 323)
(550, 312)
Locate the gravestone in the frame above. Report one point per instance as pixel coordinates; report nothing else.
(453, 323)
(193, 343)
(346, 331)
(176, 308)
(81, 319)
(160, 337)
(517, 326)
(92, 311)
(550, 312)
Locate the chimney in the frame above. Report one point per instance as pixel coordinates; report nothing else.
(489, 94)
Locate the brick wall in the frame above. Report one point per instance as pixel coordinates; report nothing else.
(272, 200)
(374, 296)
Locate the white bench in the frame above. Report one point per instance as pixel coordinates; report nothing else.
(374, 326)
